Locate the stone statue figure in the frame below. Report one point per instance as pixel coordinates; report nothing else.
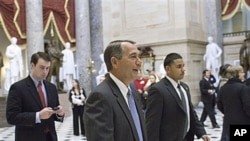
(213, 58)
(102, 71)
(15, 69)
(68, 67)
(56, 62)
(1, 65)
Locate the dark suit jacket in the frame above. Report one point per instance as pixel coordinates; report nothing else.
(165, 116)
(107, 116)
(234, 102)
(204, 87)
(22, 104)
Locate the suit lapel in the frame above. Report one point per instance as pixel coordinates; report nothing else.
(47, 93)
(173, 92)
(123, 105)
(187, 91)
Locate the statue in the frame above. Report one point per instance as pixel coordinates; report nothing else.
(1, 65)
(212, 58)
(15, 70)
(56, 56)
(245, 56)
(102, 71)
(68, 67)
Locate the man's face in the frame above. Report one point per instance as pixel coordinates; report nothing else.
(176, 70)
(40, 70)
(129, 65)
(242, 75)
(207, 74)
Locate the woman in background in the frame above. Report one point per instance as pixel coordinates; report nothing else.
(153, 78)
(234, 100)
(77, 97)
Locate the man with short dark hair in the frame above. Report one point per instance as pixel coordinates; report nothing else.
(113, 109)
(33, 103)
(170, 115)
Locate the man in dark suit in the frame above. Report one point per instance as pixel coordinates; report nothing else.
(170, 115)
(208, 90)
(33, 104)
(112, 112)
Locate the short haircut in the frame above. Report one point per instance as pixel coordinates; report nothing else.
(170, 58)
(204, 72)
(222, 70)
(233, 71)
(36, 56)
(114, 49)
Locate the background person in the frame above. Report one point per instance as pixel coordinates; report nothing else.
(30, 102)
(170, 115)
(152, 79)
(234, 101)
(113, 109)
(77, 97)
(222, 74)
(139, 84)
(208, 90)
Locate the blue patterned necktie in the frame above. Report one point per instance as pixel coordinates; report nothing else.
(134, 114)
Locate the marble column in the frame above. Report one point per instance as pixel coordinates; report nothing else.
(214, 21)
(34, 24)
(96, 33)
(83, 48)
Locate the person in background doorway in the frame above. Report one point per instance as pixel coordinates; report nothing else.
(77, 97)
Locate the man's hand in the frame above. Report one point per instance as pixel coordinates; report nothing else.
(59, 111)
(46, 113)
(205, 138)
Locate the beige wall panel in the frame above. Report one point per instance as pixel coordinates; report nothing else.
(164, 25)
(231, 48)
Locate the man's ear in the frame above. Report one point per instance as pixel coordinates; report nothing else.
(32, 65)
(167, 68)
(114, 62)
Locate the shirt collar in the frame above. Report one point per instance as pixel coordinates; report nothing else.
(173, 82)
(35, 80)
(123, 88)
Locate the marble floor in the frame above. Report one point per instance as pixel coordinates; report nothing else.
(64, 130)
(214, 133)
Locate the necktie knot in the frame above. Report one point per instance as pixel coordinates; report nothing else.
(39, 84)
(129, 92)
(179, 86)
